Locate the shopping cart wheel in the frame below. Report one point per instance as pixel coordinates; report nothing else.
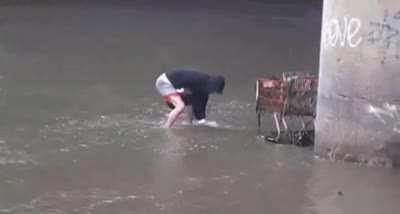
(271, 139)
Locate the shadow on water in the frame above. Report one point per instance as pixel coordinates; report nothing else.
(80, 118)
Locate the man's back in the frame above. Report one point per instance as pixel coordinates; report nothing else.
(189, 79)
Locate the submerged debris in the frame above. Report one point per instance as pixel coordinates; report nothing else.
(298, 138)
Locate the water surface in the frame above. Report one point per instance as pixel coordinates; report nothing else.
(80, 118)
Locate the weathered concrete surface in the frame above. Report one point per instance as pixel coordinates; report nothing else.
(358, 115)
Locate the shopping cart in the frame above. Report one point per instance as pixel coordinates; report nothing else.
(292, 94)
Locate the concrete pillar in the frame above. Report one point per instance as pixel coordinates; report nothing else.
(358, 110)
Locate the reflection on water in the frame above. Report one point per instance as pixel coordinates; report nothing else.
(80, 119)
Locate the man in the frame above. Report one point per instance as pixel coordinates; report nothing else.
(197, 87)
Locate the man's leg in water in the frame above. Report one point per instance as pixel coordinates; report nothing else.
(174, 114)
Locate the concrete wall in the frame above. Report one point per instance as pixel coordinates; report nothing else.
(358, 111)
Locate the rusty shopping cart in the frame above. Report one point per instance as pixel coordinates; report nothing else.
(292, 94)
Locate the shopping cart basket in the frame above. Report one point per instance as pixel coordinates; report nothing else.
(292, 94)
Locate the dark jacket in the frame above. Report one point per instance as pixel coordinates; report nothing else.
(200, 85)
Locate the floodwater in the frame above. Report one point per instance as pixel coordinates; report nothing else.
(80, 118)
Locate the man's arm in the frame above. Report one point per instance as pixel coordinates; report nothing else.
(179, 106)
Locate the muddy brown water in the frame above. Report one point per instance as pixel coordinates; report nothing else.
(80, 118)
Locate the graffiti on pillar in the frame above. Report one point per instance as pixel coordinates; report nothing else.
(388, 114)
(384, 31)
(342, 32)
(385, 34)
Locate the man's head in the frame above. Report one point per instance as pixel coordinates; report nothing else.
(216, 84)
